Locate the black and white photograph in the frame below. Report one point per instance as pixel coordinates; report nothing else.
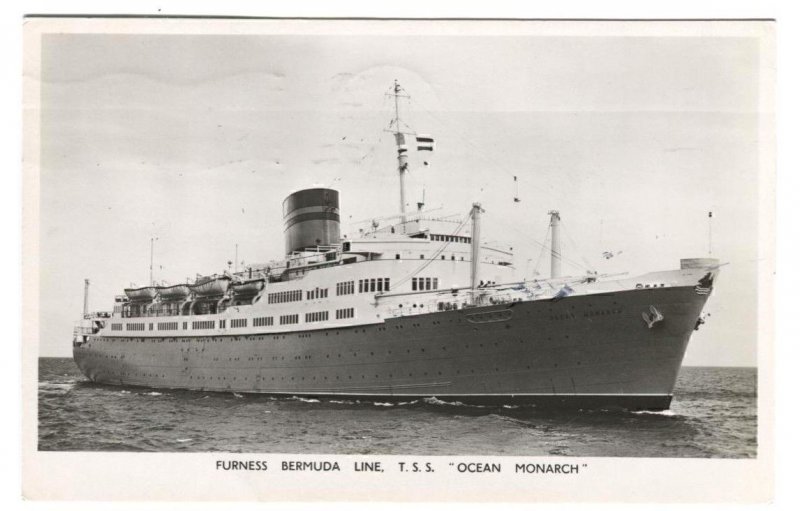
(400, 238)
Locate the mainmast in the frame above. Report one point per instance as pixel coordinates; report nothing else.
(402, 149)
(152, 243)
(555, 244)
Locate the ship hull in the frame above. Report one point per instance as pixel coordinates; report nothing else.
(587, 351)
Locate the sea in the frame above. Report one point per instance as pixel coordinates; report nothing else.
(713, 415)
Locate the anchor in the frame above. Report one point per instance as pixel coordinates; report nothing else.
(653, 317)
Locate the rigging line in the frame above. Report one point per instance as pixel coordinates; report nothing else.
(364, 160)
(589, 266)
(371, 150)
(342, 177)
(478, 150)
(541, 252)
(436, 254)
(560, 255)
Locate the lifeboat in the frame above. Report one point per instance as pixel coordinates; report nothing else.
(247, 288)
(141, 294)
(176, 292)
(211, 286)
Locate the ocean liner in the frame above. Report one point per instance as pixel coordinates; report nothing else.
(417, 308)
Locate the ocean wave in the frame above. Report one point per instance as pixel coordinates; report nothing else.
(59, 389)
(665, 413)
(154, 393)
(183, 440)
(60, 385)
(304, 399)
(237, 395)
(437, 401)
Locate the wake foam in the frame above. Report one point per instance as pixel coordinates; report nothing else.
(305, 400)
(437, 401)
(665, 413)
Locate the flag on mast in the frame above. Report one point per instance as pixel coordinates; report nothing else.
(425, 143)
(401, 142)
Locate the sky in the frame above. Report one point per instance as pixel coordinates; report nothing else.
(197, 139)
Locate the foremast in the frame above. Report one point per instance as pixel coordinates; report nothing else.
(555, 244)
(475, 249)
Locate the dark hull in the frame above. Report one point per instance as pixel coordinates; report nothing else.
(591, 351)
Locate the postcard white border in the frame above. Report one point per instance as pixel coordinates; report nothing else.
(114, 476)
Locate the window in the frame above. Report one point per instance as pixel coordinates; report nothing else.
(312, 317)
(317, 293)
(285, 296)
(397, 256)
(185, 324)
(345, 313)
(239, 323)
(424, 283)
(264, 321)
(345, 288)
(222, 323)
(116, 326)
(379, 284)
(134, 326)
(170, 325)
(290, 319)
